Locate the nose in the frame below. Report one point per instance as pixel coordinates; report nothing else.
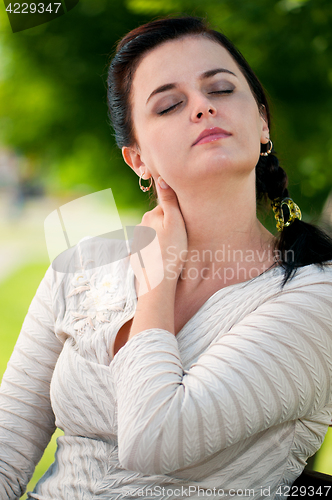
(203, 108)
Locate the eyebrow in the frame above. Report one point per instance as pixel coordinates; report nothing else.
(203, 76)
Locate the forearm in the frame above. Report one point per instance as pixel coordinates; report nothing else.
(155, 309)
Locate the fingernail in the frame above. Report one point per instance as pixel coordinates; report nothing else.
(162, 183)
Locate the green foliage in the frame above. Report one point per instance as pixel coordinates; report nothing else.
(323, 458)
(53, 98)
(53, 92)
(289, 45)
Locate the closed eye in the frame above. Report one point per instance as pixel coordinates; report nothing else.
(222, 91)
(169, 109)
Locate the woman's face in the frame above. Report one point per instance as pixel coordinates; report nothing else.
(184, 88)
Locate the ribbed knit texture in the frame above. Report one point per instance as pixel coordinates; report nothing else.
(240, 398)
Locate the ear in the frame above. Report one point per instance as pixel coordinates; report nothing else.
(265, 134)
(132, 157)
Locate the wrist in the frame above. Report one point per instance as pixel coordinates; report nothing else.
(166, 288)
(155, 309)
(167, 285)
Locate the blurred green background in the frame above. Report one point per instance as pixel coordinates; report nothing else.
(56, 143)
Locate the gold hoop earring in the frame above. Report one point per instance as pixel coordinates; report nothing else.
(266, 153)
(144, 188)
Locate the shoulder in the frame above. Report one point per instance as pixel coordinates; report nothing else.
(307, 284)
(94, 283)
(88, 263)
(313, 275)
(91, 253)
(304, 301)
(308, 293)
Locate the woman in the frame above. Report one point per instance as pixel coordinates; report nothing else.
(210, 378)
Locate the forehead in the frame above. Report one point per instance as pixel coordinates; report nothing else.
(179, 61)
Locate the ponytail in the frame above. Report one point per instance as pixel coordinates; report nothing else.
(300, 243)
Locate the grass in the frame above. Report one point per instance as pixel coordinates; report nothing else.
(16, 293)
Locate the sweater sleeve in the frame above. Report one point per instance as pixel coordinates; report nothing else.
(26, 416)
(272, 367)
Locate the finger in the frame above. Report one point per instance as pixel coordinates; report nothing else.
(166, 195)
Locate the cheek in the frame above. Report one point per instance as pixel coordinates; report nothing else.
(252, 134)
(161, 146)
(247, 114)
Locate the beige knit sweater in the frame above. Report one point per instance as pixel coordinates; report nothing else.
(236, 402)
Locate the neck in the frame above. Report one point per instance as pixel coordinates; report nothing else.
(223, 231)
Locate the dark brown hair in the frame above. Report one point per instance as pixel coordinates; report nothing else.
(306, 243)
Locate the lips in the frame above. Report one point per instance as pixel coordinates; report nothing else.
(211, 134)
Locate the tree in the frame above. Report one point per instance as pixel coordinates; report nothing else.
(53, 95)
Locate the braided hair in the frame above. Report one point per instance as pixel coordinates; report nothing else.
(307, 243)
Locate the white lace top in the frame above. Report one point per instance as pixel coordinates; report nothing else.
(238, 400)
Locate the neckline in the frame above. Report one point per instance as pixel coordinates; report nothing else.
(273, 267)
(227, 288)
